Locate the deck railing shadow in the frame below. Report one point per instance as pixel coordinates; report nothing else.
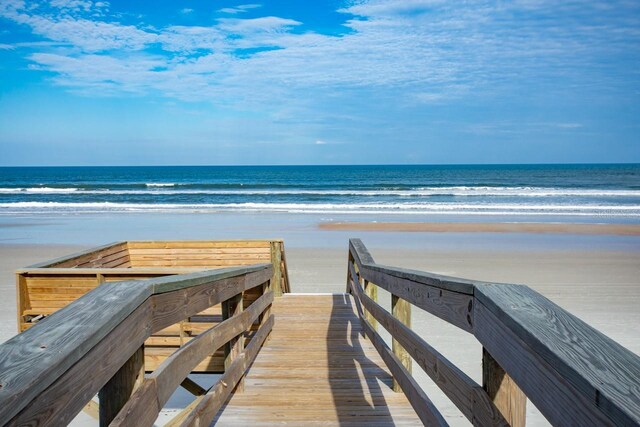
(532, 349)
(96, 345)
(343, 336)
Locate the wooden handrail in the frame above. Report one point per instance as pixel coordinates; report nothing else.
(49, 372)
(570, 371)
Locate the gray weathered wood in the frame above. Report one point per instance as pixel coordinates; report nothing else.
(454, 307)
(232, 349)
(466, 394)
(420, 402)
(61, 401)
(360, 253)
(116, 392)
(553, 395)
(591, 364)
(30, 362)
(148, 400)
(171, 307)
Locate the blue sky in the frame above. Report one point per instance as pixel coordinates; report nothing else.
(318, 82)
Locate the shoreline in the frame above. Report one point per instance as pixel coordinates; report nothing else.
(486, 227)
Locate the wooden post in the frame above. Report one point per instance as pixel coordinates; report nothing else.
(503, 391)
(276, 260)
(21, 298)
(350, 261)
(117, 391)
(232, 349)
(401, 310)
(371, 291)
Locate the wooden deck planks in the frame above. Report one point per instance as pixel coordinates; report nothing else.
(317, 369)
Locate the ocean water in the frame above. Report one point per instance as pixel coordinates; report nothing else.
(594, 191)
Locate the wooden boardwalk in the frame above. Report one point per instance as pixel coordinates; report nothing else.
(317, 369)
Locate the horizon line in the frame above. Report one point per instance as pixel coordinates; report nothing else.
(325, 165)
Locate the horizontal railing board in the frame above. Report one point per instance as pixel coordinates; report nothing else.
(452, 284)
(147, 401)
(605, 372)
(454, 307)
(55, 261)
(41, 354)
(209, 404)
(466, 394)
(106, 271)
(557, 359)
(423, 406)
(176, 244)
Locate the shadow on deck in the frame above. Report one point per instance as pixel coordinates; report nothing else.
(317, 368)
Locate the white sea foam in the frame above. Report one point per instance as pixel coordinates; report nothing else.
(159, 189)
(43, 190)
(160, 184)
(329, 208)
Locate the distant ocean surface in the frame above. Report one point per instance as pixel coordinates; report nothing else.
(532, 190)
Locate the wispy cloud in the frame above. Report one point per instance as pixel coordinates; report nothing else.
(186, 11)
(239, 9)
(418, 51)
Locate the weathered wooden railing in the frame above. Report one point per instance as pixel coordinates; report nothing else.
(96, 344)
(571, 372)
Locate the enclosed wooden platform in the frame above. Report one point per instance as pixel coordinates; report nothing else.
(317, 368)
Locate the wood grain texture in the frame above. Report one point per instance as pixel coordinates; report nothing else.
(557, 399)
(276, 259)
(466, 394)
(312, 376)
(419, 400)
(453, 307)
(148, 400)
(77, 257)
(211, 402)
(32, 361)
(61, 401)
(401, 310)
(606, 374)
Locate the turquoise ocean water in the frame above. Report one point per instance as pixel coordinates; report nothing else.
(604, 192)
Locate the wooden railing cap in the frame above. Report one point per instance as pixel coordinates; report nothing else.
(605, 372)
(31, 361)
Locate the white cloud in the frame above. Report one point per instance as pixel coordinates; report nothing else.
(320, 142)
(239, 9)
(186, 11)
(417, 51)
(6, 46)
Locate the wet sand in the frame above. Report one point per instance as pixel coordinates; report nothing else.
(487, 227)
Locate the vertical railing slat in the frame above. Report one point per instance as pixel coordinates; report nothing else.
(503, 391)
(401, 310)
(116, 392)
